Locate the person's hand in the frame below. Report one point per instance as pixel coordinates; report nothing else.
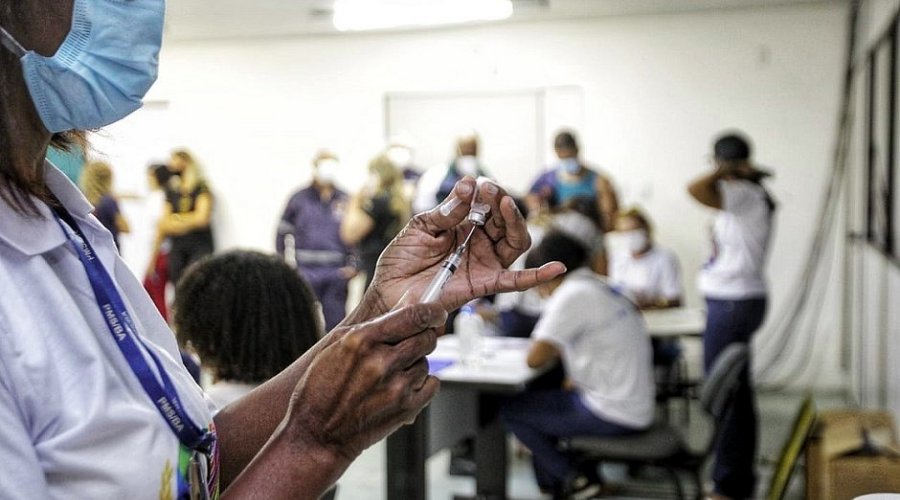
(741, 169)
(750, 172)
(348, 272)
(412, 259)
(354, 387)
(370, 379)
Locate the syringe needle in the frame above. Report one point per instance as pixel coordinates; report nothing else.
(469, 237)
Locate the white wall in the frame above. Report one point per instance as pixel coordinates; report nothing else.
(656, 90)
(874, 294)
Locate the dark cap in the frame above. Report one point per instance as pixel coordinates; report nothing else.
(731, 147)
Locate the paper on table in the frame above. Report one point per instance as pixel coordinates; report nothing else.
(436, 365)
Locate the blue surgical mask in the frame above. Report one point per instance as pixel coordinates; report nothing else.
(570, 166)
(103, 68)
(467, 165)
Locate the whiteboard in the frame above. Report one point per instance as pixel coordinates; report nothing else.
(516, 127)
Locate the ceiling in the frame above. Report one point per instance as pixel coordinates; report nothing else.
(224, 19)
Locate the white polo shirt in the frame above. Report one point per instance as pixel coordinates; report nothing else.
(655, 274)
(76, 421)
(741, 235)
(605, 348)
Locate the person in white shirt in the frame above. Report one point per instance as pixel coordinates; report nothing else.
(248, 315)
(649, 275)
(603, 344)
(94, 400)
(646, 272)
(734, 284)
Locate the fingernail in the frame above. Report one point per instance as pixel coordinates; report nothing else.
(465, 188)
(449, 205)
(492, 188)
(515, 207)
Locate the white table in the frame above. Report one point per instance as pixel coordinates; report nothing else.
(466, 406)
(502, 368)
(675, 322)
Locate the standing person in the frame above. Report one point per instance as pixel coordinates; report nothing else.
(376, 214)
(93, 399)
(156, 275)
(647, 272)
(601, 340)
(96, 184)
(248, 315)
(312, 218)
(400, 152)
(734, 284)
(570, 178)
(187, 215)
(437, 181)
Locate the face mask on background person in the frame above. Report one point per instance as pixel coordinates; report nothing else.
(103, 68)
(570, 166)
(636, 240)
(326, 170)
(399, 156)
(467, 165)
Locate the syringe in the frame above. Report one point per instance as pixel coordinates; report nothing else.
(446, 271)
(477, 216)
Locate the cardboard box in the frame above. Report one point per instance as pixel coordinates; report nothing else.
(834, 472)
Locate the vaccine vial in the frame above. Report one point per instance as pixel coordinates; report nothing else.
(479, 211)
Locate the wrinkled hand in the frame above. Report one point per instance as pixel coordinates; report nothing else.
(409, 263)
(370, 379)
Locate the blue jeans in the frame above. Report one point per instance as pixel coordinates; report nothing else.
(541, 418)
(727, 322)
(517, 324)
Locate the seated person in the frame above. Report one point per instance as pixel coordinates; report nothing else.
(570, 178)
(600, 338)
(579, 219)
(248, 315)
(646, 272)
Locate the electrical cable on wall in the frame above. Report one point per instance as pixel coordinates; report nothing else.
(784, 339)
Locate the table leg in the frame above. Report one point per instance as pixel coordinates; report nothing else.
(406, 461)
(490, 453)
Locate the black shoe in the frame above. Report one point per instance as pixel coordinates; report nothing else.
(462, 458)
(579, 488)
(462, 466)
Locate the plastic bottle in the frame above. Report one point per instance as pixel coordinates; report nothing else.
(469, 326)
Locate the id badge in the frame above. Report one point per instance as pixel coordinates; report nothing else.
(198, 474)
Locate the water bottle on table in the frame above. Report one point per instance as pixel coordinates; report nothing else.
(469, 327)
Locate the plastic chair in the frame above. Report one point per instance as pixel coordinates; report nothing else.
(664, 445)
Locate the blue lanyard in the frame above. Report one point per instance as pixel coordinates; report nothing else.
(123, 331)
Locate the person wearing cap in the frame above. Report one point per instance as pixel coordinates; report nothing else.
(313, 218)
(571, 178)
(734, 285)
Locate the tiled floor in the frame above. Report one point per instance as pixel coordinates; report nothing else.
(365, 480)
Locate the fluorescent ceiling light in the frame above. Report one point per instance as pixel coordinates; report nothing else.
(355, 15)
